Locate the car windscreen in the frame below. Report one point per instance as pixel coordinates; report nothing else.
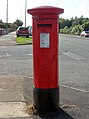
(87, 32)
(23, 28)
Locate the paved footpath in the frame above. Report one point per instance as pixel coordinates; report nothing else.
(12, 103)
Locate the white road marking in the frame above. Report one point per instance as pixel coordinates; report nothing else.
(8, 55)
(13, 109)
(73, 55)
(30, 54)
(77, 89)
(28, 77)
(5, 55)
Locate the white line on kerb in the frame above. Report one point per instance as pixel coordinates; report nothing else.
(83, 91)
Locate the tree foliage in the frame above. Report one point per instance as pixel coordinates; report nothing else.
(74, 25)
(18, 22)
(11, 26)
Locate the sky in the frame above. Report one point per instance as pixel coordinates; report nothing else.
(16, 9)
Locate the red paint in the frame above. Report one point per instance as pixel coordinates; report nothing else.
(45, 59)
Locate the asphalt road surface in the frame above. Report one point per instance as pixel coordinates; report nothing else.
(74, 62)
(18, 57)
(73, 72)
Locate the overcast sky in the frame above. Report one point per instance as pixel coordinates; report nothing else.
(16, 10)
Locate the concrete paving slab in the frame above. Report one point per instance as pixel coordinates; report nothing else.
(12, 103)
(13, 109)
(11, 88)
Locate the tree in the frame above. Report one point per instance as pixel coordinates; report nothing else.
(1, 21)
(2, 25)
(18, 22)
(13, 27)
(64, 30)
(77, 29)
(74, 25)
(64, 22)
(86, 26)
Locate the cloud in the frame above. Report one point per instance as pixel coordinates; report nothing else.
(71, 8)
(76, 8)
(83, 8)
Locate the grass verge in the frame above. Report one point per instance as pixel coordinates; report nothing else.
(24, 40)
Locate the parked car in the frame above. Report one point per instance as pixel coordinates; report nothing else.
(22, 31)
(84, 34)
(30, 30)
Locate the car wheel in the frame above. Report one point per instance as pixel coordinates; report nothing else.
(27, 36)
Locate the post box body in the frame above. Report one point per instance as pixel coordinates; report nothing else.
(45, 55)
(45, 50)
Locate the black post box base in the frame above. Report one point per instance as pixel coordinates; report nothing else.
(46, 99)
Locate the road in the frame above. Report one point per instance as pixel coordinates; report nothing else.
(74, 75)
(74, 61)
(73, 71)
(18, 57)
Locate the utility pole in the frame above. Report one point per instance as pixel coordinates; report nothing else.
(25, 11)
(7, 16)
(7, 11)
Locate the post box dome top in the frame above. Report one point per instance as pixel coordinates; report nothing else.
(45, 10)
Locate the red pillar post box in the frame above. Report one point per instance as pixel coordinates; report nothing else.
(45, 56)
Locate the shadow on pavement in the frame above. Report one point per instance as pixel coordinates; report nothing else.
(60, 114)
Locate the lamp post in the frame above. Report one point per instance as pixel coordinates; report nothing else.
(7, 11)
(25, 11)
